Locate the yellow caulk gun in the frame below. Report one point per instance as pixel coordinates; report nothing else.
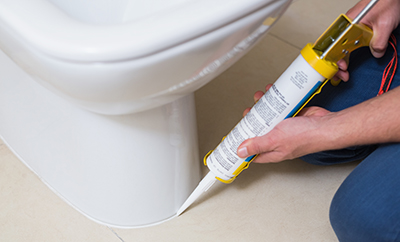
(301, 81)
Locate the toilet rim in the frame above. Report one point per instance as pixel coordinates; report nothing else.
(47, 29)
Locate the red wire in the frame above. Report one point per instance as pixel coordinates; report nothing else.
(392, 64)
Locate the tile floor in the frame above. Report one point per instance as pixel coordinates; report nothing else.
(288, 201)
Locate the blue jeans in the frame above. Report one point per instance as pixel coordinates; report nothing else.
(366, 207)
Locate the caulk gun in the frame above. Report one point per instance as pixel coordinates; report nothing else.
(301, 81)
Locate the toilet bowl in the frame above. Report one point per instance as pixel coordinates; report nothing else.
(96, 96)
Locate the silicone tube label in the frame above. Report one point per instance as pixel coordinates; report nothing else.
(292, 88)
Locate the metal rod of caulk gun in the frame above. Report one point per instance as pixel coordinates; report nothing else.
(356, 20)
(364, 11)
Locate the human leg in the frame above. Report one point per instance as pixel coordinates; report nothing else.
(366, 207)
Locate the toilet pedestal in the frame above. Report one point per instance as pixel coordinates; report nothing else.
(123, 170)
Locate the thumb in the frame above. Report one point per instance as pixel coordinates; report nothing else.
(253, 146)
(379, 42)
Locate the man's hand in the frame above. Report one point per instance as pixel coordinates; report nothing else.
(286, 140)
(383, 18)
(291, 138)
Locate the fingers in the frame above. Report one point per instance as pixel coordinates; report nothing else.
(256, 145)
(262, 146)
(289, 139)
(268, 87)
(379, 42)
(246, 111)
(383, 18)
(257, 96)
(249, 147)
(313, 111)
(342, 74)
(342, 64)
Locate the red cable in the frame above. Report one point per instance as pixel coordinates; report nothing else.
(390, 70)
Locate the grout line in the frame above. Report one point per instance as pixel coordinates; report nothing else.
(285, 41)
(115, 233)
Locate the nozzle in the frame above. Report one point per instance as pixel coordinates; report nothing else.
(203, 186)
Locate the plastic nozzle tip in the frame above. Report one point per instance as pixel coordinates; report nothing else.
(203, 186)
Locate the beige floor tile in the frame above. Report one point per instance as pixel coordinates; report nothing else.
(306, 20)
(30, 211)
(277, 202)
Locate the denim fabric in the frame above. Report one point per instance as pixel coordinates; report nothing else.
(366, 207)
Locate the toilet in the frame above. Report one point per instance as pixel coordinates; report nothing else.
(96, 96)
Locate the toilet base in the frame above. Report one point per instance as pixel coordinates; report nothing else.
(122, 171)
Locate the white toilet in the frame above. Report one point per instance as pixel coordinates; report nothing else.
(96, 96)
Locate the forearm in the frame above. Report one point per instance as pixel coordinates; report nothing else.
(374, 121)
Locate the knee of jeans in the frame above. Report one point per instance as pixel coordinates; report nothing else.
(346, 221)
(353, 219)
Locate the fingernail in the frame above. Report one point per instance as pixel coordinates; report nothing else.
(242, 152)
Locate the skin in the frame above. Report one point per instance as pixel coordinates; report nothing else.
(382, 19)
(316, 129)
